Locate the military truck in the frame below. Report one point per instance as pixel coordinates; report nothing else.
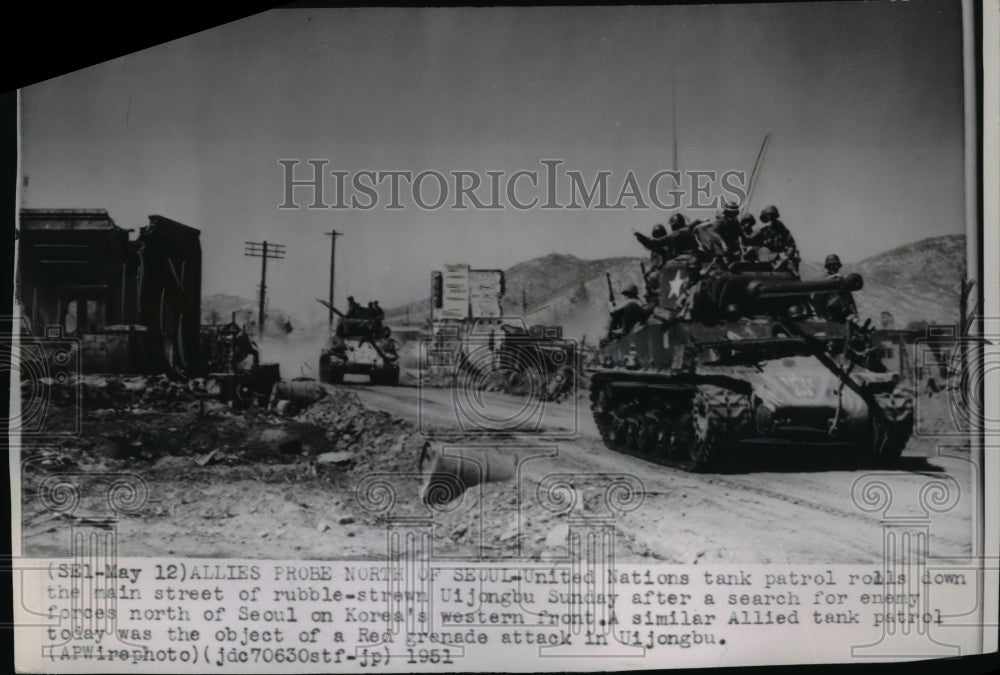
(538, 352)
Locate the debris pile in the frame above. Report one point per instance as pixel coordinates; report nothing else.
(97, 392)
(367, 440)
(216, 471)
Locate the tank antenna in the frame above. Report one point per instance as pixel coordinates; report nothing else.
(753, 174)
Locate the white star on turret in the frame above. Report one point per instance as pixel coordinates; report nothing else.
(676, 284)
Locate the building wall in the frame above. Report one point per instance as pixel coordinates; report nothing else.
(70, 262)
(134, 305)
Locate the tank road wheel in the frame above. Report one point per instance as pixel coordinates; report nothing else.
(663, 440)
(616, 431)
(683, 437)
(631, 433)
(648, 433)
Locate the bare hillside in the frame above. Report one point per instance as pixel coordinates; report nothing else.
(915, 282)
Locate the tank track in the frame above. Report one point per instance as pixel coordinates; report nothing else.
(690, 428)
(719, 415)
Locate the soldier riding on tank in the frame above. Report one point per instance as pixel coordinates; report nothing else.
(775, 237)
(627, 316)
(354, 310)
(719, 239)
(836, 306)
(747, 224)
(658, 245)
(682, 237)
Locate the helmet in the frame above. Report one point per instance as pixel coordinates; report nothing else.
(747, 221)
(659, 231)
(831, 260)
(796, 311)
(730, 207)
(677, 222)
(631, 291)
(768, 213)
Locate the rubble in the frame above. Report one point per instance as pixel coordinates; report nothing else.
(121, 448)
(280, 441)
(207, 458)
(207, 463)
(342, 457)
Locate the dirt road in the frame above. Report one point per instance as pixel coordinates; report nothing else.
(251, 484)
(788, 507)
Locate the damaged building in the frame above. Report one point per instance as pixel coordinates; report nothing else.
(131, 301)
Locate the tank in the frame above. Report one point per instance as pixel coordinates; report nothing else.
(359, 346)
(738, 355)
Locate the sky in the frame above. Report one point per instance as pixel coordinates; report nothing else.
(862, 101)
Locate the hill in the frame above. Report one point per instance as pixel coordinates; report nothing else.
(551, 289)
(915, 282)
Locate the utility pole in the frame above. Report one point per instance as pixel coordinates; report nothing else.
(333, 234)
(263, 250)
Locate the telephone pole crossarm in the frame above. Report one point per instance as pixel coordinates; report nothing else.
(263, 250)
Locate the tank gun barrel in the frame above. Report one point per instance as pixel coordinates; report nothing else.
(331, 307)
(766, 290)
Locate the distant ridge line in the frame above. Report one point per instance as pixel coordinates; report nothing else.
(912, 244)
